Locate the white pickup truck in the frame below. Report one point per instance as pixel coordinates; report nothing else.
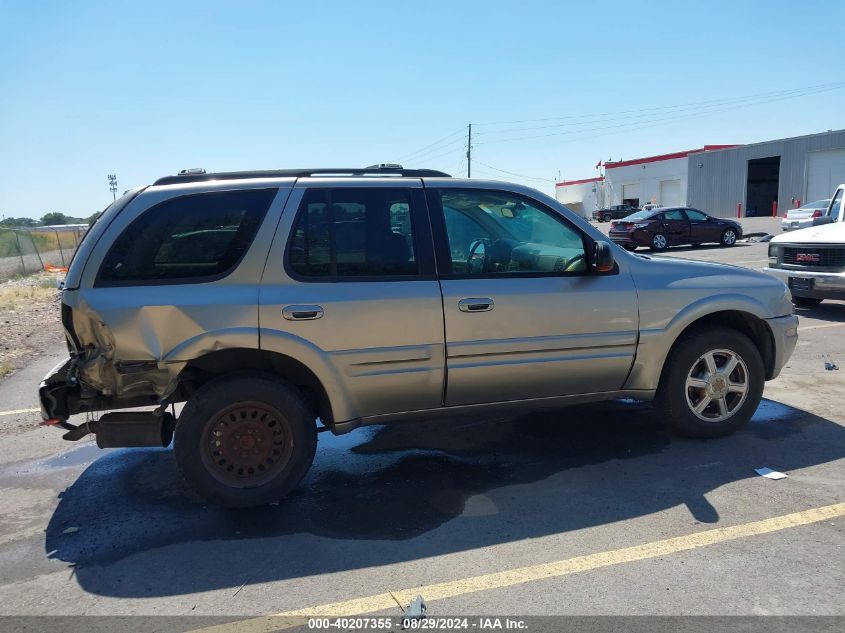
(811, 261)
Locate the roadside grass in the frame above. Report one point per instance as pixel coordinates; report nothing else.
(5, 369)
(13, 298)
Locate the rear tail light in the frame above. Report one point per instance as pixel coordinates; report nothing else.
(817, 213)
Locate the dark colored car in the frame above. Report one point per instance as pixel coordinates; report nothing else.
(664, 227)
(615, 212)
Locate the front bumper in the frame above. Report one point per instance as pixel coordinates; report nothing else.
(785, 335)
(823, 286)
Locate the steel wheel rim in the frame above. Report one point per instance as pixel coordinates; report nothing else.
(717, 385)
(730, 237)
(660, 241)
(247, 444)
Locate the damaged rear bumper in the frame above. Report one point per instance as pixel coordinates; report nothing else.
(59, 392)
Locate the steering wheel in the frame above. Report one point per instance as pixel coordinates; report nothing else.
(574, 262)
(472, 267)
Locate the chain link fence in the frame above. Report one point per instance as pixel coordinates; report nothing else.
(25, 251)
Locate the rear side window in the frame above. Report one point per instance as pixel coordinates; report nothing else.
(199, 237)
(353, 233)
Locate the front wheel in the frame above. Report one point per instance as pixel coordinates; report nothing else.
(245, 440)
(728, 237)
(711, 384)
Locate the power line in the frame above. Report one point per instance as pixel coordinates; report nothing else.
(831, 86)
(510, 173)
(646, 123)
(431, 145)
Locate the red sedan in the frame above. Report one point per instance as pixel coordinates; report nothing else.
(660, 228)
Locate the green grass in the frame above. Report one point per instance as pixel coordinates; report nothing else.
(5, 369)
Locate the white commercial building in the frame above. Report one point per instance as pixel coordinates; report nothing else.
(658, 179)
(760, 179)
(581, 196)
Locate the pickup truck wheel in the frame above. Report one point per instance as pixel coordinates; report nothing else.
(606, 217)
(659, 242)
(805, 302)
(246, 440)
(711, 384)
(728, 237)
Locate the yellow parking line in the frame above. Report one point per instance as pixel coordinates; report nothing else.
(522, 575)
(18, 411)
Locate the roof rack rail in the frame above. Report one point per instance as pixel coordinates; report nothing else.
(388, 169)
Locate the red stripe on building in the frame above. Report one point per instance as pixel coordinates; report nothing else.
(662, 157)
(566, 183)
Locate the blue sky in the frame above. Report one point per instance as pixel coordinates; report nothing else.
(143, 89)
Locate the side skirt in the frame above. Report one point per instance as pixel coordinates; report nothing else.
(476, 410)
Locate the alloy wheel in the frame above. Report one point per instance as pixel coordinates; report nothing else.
(717, 385)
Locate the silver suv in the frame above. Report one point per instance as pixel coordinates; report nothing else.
(279, 304)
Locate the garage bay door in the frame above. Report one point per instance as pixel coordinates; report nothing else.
(825, 171)
(631, 191)
(670, 193)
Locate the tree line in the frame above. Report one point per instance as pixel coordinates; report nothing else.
(48, 219)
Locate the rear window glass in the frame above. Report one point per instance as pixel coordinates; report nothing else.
(640, 215)
(358, 232)
(191, 238)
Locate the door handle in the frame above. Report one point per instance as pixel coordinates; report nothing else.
(475, 305)
(302, 313)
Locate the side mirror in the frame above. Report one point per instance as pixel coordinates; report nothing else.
(603, 257)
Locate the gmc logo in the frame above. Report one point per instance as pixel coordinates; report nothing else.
(807, 257)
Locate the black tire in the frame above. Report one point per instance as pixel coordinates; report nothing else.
(282, 434)
(805, 302)
(673, 396)
(659, 242)
(729, 237)
(630, 247)
(606, 217)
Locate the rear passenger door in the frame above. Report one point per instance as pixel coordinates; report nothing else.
(350, 290)
(676, 226)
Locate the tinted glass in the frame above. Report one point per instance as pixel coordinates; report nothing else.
(696, 216)
(188, 238)
(353, 233)
(641, 215)
(677, 214)
(818, 204)
(491, 232)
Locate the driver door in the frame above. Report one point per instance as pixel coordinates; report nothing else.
(525, 316)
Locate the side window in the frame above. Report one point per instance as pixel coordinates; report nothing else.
(675, 214)
(837, 202)
(696, 216)
(192, 238)
(353, 232)
(492, 232)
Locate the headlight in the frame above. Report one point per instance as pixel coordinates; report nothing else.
(774, 253)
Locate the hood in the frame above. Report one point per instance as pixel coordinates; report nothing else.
(833, 233)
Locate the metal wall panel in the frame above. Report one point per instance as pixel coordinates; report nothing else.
(717, 179)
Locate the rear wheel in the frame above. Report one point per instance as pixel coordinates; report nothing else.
(659, 242)
(245, 440)
(606, 217)
(806, 302)
(711, 384)
(728, 237)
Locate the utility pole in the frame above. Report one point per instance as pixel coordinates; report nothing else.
(469, 150)
(113, 186)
